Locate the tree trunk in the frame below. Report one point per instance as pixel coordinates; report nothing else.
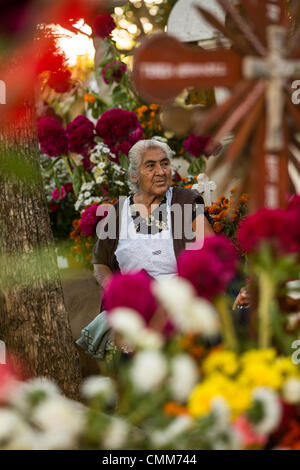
(33, 320)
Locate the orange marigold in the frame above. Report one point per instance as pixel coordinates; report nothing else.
(88, 98)
(218, 227)
(174, 409)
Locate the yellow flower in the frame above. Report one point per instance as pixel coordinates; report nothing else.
(260, 374)
(221, 361)
(285, 367)
(255, 355)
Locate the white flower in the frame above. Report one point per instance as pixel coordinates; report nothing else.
(87, 194)
(203, 318)
(148, 339)
(101, 165)
(184, 376)
(23, 397)
(89, 201)
(178, 426)
(148, 370)
(116, 435)
(94, 158)
(188, 312)
(10, 424)
(221, 413)
(176, 295)
(291, 390)
(61, 417)
(99, 179)
(272, 410)
(127, 322)
(97, 385)
(120, 183)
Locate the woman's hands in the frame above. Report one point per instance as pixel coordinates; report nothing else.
(242, 300)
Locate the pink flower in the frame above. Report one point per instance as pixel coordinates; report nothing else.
(104, 25)
(113, 72)
(196, 144)
(59, 195)
(80, 133)
(131, 290)
(119, 129)
(89, 220)
(248, 435)
(52, 137)
(279, 228)
(211, 268)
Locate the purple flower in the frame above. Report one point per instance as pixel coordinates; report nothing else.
(52, 137)
(80, 133)
(197, 145)
(113, 72)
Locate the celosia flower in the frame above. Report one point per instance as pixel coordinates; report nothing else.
(277, 227)
(131, 290)
(113, 72)
(58, 195)
(196, 144)
(119, 129)
(60, 81)
(104, 25)
(89, 220)
(69, 187)
(52, 137)
(211, 268)
(80, 133)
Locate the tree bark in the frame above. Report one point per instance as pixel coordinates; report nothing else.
(33, 320)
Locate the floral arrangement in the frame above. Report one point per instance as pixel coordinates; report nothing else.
(225, 214)
(201, 394)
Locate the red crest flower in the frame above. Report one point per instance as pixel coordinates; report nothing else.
(80, 133)
(277, 227)
(104, 25)
(131, 290)
(113, 72)
(119, 129)
(196, 144)
(211, 268)
(89, 220)
(52, 137)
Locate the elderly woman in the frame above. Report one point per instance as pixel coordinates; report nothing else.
(151, 230)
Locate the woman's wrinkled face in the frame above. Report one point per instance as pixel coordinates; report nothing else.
(154, 173)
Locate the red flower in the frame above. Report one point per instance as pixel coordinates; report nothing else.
(119, 129)
(52, 137)
(113, 72)
(69, 187)
(89, 220)
(60, 81)
(104, 25)
(53, 207)
(196, 144)
(277, 227)
(80, 133)
(211, 268)
(131, 290)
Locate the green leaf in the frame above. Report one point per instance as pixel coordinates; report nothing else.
(77, 181)
(57, 182)
(123, 160)
(48, 168)
(197, 166)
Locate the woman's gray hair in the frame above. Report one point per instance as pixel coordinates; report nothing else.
(137, 152)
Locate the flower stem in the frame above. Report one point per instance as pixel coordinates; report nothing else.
(68, 165)
(266, 296)
(228, 330)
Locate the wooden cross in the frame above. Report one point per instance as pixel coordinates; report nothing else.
(259, 71)
(205, 187)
